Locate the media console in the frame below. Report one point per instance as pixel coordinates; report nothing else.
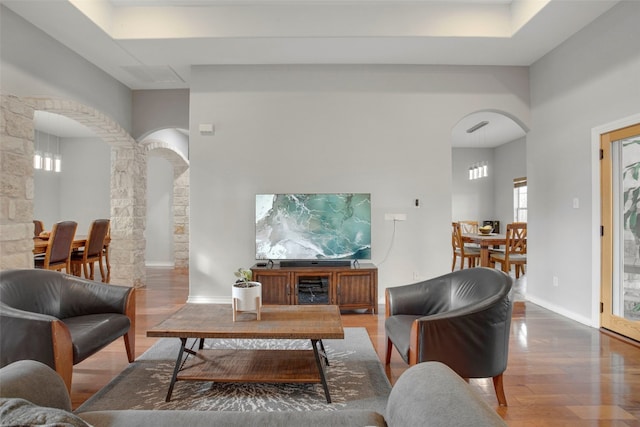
(340, 283)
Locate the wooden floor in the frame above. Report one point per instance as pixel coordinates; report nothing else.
(560, 372)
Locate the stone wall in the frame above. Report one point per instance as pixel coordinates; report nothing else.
(128, 185)
(16, 183)
(181, 218)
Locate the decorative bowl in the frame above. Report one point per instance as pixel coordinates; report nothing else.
(485, 230)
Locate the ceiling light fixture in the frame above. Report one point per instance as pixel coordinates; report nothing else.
(37, 155)
(477, 126)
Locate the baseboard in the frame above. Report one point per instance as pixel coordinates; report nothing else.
(561, 310)
(159, 264)
(208, 300)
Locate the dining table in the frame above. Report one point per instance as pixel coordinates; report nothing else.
(485, 241)
(40, 244)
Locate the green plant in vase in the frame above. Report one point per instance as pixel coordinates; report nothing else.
(244, 278)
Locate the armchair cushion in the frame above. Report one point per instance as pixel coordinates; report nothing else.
(92, 332)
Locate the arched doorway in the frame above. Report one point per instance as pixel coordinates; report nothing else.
(127, 185)
(496, 140)
(166, 149)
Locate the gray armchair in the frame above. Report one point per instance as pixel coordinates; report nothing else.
(60, 320)
(461, 319)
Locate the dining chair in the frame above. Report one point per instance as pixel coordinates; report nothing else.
(38, 227)
(58, 253)
(515, 252)
(468, 227)
(105, 251)
(92, 252)
(460, 250)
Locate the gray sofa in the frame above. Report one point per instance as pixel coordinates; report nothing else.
(427, 394)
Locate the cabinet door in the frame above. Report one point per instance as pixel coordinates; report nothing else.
(356, 290)
(276, 287)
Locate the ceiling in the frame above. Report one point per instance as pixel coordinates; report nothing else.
(152, 44)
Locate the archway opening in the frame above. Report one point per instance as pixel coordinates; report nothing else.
(167, 232)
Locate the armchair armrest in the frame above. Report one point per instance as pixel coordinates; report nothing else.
(35, 336)
(422, 298)
(80, 297)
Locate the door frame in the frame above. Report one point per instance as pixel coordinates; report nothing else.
(596, 252)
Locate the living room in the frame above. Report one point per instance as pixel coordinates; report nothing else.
(382, 129)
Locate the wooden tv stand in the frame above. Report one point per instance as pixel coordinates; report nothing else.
(349, 287)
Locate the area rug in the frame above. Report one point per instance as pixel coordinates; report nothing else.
(355, 377)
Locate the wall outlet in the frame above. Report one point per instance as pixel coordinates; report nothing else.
(395, 217)
(555, 281)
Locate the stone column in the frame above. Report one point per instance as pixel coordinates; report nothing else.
(16, 183)
(181, 218)
(128, 214)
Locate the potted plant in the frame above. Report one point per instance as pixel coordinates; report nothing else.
(246, 295)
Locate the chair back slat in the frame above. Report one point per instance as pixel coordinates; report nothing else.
(516, 242)
(468, 227)
(95, 239)
(38, 227)
(60, 240)
(456, 237)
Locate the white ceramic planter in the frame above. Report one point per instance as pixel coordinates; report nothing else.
(247, 298)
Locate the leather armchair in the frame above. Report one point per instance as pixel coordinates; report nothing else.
(461, 319)
(60, 320)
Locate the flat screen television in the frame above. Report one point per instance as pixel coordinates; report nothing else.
(333, 226)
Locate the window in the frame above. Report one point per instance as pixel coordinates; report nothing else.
(520, 199)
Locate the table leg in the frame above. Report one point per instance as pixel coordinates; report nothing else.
(484, 255)
(323, 379)
(176, 369)
(323, 353)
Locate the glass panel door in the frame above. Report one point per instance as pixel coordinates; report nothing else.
(620, 293)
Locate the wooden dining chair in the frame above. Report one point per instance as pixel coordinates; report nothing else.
(460, 250)
(38, 227)
(58, 253)
(515, 252)
(105, 251)
(468, 227)
(83, 260)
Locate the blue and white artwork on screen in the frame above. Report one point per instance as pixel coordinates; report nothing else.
(313, 226)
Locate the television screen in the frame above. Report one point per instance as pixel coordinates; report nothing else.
(313, 226)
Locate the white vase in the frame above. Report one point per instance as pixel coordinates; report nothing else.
(248, 296)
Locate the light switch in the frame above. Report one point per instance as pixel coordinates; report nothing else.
(206, 129)
(576, 203)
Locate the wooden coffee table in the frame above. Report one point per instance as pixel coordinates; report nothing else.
(201, 321)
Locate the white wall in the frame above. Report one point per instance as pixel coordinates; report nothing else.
(81, 192)
(590, 80)
(159, 109)
(472, 200)
(159, 231)
(379, 129)
(34, 64)
(85, 182)
(511, 163)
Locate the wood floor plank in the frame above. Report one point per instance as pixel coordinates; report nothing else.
(560, 372)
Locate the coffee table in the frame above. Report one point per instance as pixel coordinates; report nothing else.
(201, 321)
